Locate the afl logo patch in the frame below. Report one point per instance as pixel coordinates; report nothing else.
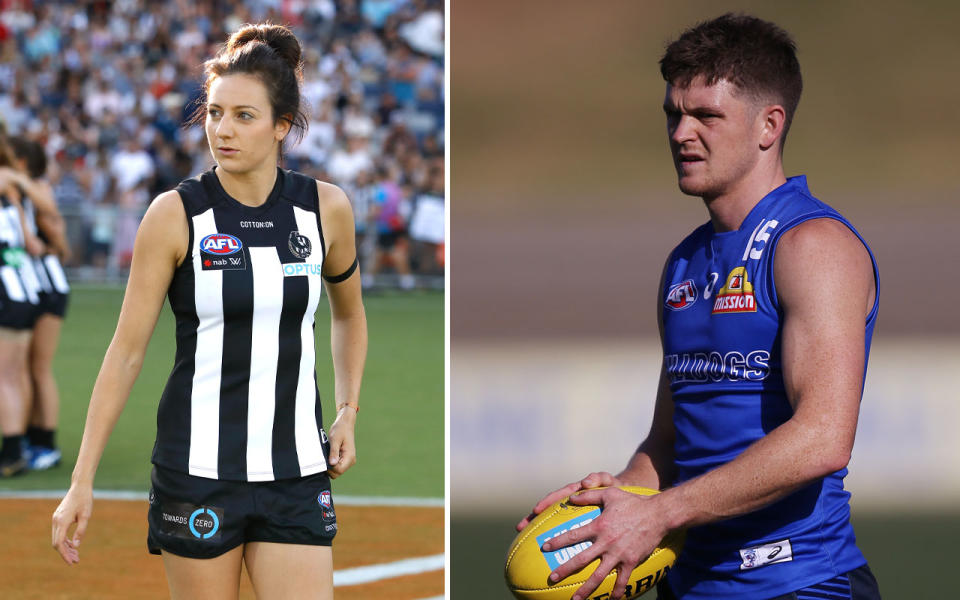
(299, 244)
(681, 295)
(325, 499)
(221, 244)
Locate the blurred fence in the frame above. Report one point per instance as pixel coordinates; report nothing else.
(532, 416)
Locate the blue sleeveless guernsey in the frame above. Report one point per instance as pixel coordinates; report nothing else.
(722, 328)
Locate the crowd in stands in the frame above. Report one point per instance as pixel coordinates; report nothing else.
(106, 88)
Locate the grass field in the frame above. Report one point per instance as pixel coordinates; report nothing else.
(399, 430)
(911, 555)
(399, 437)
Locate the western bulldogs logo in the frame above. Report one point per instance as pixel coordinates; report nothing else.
(299, 244)
(682, 295)
(221, 244)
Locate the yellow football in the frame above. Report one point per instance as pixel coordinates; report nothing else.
(528, 567)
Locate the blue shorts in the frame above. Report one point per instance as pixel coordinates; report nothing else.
(858, 584)
(198, 517)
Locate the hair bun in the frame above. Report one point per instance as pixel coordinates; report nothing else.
(278, 37)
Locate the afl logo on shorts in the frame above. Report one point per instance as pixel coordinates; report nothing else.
(325, 499)
(299, 244)
(221, 244)
(682, 295)
(326, 506)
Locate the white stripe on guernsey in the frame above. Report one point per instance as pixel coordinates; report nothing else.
(57, 277)
(264, 352)
(306, 428)
(11, 282)
(142, 497)
(29, 215)
(205, 394)
(31, 283)
(371, 573)
(41, 271)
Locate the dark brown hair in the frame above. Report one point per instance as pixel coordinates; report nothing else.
(31, 152)
(270, 53)
(757, 56)
(7, 158)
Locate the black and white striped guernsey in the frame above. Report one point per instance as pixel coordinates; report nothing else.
(48, 267)
(18, 277)
(242, 400)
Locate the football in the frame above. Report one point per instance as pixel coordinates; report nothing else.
(528, 567)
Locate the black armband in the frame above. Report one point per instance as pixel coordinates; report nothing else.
(345, 275)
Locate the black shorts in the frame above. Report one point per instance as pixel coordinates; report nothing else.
(386, 241)
(198, 517)
(53, 303)
(17, 315)
(858, 584)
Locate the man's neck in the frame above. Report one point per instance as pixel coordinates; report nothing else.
(728, 210)
(250, 188)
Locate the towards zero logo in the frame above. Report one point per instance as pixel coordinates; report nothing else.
(204, 523)
(189, 521)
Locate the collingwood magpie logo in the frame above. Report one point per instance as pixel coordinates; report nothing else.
(299, 244)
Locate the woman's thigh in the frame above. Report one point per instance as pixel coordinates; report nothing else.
(282, 571)
(202, 578)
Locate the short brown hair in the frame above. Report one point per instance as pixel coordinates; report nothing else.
(757, 56)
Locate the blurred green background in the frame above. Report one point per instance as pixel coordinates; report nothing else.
(564, 206)
(399, 432)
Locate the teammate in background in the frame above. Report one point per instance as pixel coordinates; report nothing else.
(19, 299)
(766, 314)
(241, 461)
(44, 221)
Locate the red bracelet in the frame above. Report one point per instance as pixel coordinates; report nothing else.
(353, 406)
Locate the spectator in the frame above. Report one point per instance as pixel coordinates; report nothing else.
(131, 166)
(427, 224)
(346, 163)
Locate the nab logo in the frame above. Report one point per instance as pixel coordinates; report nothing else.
(220, 244)
(682, 295)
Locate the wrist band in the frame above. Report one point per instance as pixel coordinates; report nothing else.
(353, 406)
(346, 274)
